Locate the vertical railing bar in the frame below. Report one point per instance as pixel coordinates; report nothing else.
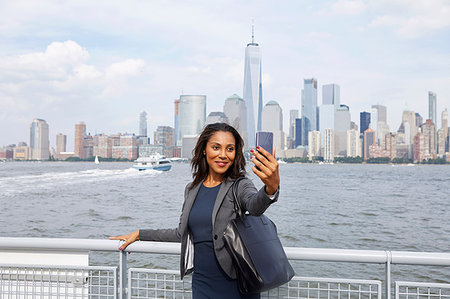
(388, 274)
(122, 274)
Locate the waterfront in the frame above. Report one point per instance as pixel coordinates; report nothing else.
(380, 207)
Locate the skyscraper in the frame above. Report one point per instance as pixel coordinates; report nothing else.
(309, 108)
(369, 139)
(429, 134)
(272, 121)
(314, 144)
(176, 123)
(298, 132)
(432, 106)
(293, 115)
(328, 146)
(61, 141)
(39, 142)
(236, 111)
(378, 121)
(192, 111)
(143, 124)
(253, 89)
(364, 121)
(341, 126)
(331, 95)
(444, 121)
(80, 133)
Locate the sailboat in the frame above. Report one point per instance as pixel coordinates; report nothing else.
(96, 160)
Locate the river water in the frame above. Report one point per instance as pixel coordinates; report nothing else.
(375, 207)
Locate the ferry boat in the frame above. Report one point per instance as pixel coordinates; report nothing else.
(155, 162)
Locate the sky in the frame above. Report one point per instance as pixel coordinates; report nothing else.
(104, 62)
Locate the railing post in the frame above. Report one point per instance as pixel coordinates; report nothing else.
(123, 275)
(388, 274)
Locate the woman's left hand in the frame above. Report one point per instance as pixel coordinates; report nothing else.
(268, 169)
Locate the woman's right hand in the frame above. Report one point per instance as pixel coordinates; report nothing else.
(129, 238)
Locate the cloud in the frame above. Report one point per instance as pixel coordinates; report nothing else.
(348, 7)
(413, 19)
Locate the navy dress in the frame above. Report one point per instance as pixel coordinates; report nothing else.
(209, 281)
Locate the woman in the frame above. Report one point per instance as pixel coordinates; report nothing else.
(208, 207)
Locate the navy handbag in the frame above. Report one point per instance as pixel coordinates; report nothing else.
(258, 256)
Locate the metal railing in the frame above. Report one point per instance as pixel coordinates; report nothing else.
(37, 281)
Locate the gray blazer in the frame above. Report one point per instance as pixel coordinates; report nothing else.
(252, 200)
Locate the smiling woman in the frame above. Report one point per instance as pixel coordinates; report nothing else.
(209, 206)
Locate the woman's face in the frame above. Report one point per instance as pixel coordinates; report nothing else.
(220, 152)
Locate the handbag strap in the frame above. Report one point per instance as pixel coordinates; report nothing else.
(237, 205)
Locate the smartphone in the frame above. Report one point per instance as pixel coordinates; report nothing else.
(265, 140)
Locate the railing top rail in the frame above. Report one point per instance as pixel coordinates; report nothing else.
(293, 253)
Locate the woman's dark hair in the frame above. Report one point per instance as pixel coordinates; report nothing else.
(200, 167)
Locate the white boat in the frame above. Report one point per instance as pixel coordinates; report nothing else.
(155, 162)
(96, 160)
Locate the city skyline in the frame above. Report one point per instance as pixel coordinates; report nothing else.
(105, 70)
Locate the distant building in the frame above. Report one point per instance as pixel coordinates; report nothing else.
(331, 95)
(298, 132)
(353, 143)
(314, 144)
(39, 140)
(80, 133)
(61, 141)
(328, 147)
(152, 149)
(192, 119)
(143, 124)
(419, 147)
(272, 121)
(309, 108)
(364, 121)
(432, 112)
(189, 142)
(293, 115)
(253, 90)
(419, 120)
(378, 122)
(369, 139)
(326, 119)
(429, 134)
(391, 145)
(125, 148)
(104, 146)
(164, 135)
(21, 153)
(216, 117)
(176, 122)
(441, 142)
(341, 126)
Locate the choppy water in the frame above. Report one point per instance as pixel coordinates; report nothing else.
(378, 207)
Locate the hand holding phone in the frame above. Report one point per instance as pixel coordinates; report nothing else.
(266, 169)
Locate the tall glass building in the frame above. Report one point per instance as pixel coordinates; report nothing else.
(432, 107)
(309, 108)
(253, 90)
(364, 121)
(236, 111)
(192, 115)
(39, 140)
(331, 95)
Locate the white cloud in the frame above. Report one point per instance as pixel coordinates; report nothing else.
(348, 7)
(412, 19)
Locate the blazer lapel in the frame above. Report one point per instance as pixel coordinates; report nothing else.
(220, 197)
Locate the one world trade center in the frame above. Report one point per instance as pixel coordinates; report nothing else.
(253, 90)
